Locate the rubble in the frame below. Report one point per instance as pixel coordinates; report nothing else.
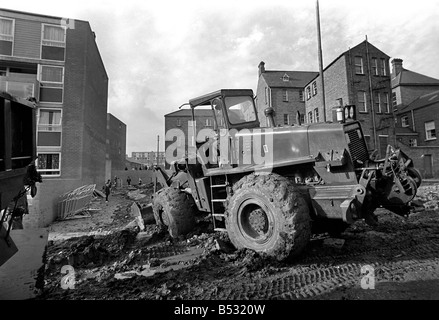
(428, 196)
(122, 262)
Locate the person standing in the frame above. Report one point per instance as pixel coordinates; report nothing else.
(107, 189)
(129, 180)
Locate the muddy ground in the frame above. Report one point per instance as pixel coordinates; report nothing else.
(111, 259)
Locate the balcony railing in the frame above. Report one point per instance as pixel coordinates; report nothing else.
(20, 88)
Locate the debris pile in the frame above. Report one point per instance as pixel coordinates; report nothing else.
(428, 196)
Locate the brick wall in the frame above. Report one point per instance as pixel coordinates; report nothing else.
(290, 107)
(95, 86)
(419, 155)
(116, 135)
(342, 82)
(171, 122)
(261, 102)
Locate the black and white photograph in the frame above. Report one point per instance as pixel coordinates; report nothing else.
(217, 156)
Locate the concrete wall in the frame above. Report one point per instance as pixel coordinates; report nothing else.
(145, 175)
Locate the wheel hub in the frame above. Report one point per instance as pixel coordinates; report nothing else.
(258, 221)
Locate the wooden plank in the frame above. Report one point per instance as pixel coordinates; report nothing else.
(23, 274)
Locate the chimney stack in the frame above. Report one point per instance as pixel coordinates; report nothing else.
(396, 66)
(261, 67)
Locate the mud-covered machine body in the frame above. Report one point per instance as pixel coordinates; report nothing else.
(18, 173)
(267, 187)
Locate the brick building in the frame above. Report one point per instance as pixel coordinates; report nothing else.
(416, 99)
(116, 146)
(181, 120)
(148, 158)
(56, 61)
(359, 76)
(283, 91)
(408, 85)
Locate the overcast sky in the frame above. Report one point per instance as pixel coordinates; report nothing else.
(159, 54)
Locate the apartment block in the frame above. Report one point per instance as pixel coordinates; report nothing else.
(57, 62)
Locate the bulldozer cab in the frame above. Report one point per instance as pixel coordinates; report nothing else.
(231, 108)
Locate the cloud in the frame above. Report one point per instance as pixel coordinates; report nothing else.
(160, 54)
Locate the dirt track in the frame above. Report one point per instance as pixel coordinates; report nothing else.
(125, 264)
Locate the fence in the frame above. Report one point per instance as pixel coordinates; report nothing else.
(72, 202)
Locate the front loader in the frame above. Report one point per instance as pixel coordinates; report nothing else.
(269, 188)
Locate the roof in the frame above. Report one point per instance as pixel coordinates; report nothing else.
(297, 79)
(407, 77)
(347, 52)
(405, 131)
(423, 101)
(36, 14)
(188, 113)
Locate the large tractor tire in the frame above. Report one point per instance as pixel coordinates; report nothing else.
(174, 210)
(266, 213)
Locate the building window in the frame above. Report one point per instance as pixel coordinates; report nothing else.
(314, 88)
(377, 102)
(6, 36)
(316, 115)
(374, 66)
(51, 74)
(266, 95)
(413, 142)
(394, 102)
(405, 121)
(383, 67)
(285, 95)
(178, 123)
(430, 130)
(301, 95)
(48, 163)
(49, 128)
(286, 119)
(53, 42)
(386, 102)
(361, 97)
(359, 65)
(52, 78)
(308, 93)
(3, 71)
(310, 117)
(208, 123)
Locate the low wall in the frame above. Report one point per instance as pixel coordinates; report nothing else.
(122, 175)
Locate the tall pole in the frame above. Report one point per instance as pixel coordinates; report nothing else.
(372, 107)
(319, 39)
(158, 148)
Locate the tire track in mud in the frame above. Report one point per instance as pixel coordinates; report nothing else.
(307, 281)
